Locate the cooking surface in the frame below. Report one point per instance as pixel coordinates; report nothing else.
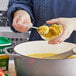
(11, 71)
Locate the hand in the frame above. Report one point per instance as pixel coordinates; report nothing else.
(68, 26)
(21, 17)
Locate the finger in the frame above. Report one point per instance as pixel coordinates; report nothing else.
(22, 28)
(14, 21)
(55, 42)
(20, 20)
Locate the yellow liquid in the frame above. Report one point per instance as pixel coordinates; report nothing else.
(43, 55)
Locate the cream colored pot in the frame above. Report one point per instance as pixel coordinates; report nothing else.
(28, 66)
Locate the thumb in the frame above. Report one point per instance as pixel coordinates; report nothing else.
(52, 21)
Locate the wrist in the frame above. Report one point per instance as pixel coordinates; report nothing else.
(20, 12)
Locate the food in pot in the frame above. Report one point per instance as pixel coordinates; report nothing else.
(50, 32)
(43, 55)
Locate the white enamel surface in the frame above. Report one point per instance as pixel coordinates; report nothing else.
(34, 47)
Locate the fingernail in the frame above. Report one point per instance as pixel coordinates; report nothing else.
(50, 43)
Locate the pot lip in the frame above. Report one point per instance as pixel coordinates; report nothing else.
(42, 58)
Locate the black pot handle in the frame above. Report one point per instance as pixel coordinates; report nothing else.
(10, 54)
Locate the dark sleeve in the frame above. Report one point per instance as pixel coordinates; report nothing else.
(15, 5)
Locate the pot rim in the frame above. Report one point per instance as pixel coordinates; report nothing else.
(41, 58)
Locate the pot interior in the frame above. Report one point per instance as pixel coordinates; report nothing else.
(35, 47)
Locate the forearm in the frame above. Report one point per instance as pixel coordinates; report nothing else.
(74, 20)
